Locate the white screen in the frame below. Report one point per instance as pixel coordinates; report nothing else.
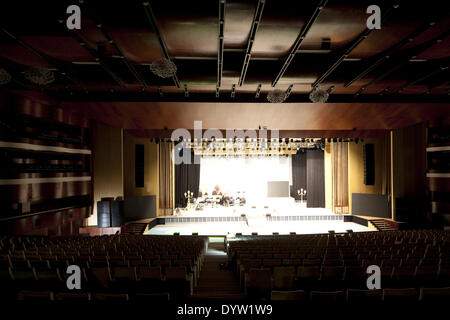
(249, 175)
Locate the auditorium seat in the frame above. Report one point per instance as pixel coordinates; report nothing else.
(400, 295)
(283, 278)
(366, 296)
(112, 297)
(48, 279)
(327, 297)
(403, 276)
(179, 282)
(124, 279)
(151, 280)
(151, 297)
(73, 297)
(444, 276)
(331, 277)
(258, 283)
(35, 296)
(438, 295)
(307, 277)
(355, 277)
(293, 295)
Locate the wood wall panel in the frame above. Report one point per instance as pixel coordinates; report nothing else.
(356, 168)
(107, 153)
(151, 176)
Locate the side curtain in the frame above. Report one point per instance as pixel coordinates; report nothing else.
(315, 178)
(166, 178)
(187, 177)
(339, 171)
(298, 174)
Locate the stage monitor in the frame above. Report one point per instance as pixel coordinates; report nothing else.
(277, 189)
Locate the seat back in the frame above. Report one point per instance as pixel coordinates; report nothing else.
(283, 277)
(295, 295)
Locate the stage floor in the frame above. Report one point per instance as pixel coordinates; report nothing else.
(294, 218)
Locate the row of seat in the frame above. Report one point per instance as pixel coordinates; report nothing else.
(326, 277)
(365, 296)
(155, 265)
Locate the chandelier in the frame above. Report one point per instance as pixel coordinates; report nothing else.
(318, 95)
(163, 68)
(276, 96)
(40, 76)
(5, 77)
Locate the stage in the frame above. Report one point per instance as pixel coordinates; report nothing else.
(263, 220)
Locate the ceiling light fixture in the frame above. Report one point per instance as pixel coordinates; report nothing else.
(5, 77)
(318, 96)
(163, 68)
(276, 96)
(40, 76)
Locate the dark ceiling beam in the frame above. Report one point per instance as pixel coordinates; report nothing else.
(422, 78)
(251, 39)
(361, 37)
(107, 35)
(127, 62)
(60, 66)
(220, 42)
(98, 58)
(152, 20)
(243, 97)
(405, 58)
(304, 31)
(385, 55)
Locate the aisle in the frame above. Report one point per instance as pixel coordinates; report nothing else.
(214, 283)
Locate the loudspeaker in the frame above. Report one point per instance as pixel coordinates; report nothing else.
(369, 164)
(139, 165)
(116, 213)
(104, 214)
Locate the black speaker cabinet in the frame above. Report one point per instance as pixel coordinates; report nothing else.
(369, 164)
(117, 213)
(104, 214)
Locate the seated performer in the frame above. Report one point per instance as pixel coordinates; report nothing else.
(216, 191)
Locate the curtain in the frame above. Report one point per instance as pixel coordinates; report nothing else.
(315, 178)
(298, 174)
(386, 156)
(165, 178)
(187, 177)
(339, 172)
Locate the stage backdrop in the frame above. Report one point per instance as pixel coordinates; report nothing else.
(249, 175)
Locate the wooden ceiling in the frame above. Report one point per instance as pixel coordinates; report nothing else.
(377, 79)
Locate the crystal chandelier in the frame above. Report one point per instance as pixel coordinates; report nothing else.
(5, 77)
(318, 95)
(163, 68)
(40, 76)
(276, 96)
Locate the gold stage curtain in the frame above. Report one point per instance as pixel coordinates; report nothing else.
(339, 170)
(166, 178)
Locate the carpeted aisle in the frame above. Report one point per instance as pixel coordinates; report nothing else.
(214, 283)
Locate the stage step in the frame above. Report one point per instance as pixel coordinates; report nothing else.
(213, 283)
(134, 228)
(382, 225)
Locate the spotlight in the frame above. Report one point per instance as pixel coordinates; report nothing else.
(356, 140)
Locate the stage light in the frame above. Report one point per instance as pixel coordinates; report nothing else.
(356, 140)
